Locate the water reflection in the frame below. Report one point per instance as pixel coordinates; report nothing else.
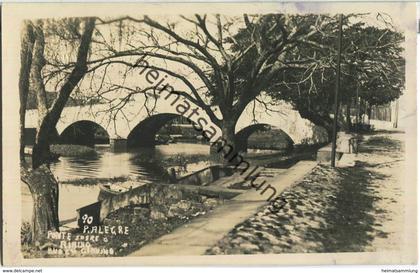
(145, 163)
(71, 198)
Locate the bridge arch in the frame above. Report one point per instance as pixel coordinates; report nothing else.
(84, 132)
(120, 125)
(283, 116)
(145, 132)
(282, 140)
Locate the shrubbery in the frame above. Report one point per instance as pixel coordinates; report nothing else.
(72, 150)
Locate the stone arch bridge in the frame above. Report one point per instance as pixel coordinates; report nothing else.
(140, 121)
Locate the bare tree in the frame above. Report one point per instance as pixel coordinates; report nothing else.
(227, 62)
(41, 182)
(27, 45)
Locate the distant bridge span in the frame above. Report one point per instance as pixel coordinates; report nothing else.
(144, 120)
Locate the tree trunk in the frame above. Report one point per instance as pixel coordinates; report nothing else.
(27, 44)
(40, 180)
(348, 118)
(44, 192)
(41, 153)
(369, 112)
(224, 149)
(228, 132)
(41, 150)
(38, 63)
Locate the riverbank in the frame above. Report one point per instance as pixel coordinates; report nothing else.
(72, 150)
(76, 193)
(350, 209)
(126, 229)
(89, 181)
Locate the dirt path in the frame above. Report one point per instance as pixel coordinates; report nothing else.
(332, 210)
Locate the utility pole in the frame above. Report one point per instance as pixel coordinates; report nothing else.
(397, 103)
(357, 107)
(337, 88)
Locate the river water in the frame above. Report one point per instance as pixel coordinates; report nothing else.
(143, 164)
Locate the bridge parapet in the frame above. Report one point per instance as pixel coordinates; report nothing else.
(300, 130)
(120, 125)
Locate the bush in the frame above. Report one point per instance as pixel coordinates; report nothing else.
(25, 233)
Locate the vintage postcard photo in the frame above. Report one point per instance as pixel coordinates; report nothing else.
(216, 133)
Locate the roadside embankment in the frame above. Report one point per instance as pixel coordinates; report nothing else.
(350, 209)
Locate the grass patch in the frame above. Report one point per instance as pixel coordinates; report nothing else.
(380, 140)
(175, 160)
(88, 181)
(72, 150)
(380, 144)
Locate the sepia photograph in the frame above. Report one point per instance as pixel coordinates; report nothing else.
(209, 130)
